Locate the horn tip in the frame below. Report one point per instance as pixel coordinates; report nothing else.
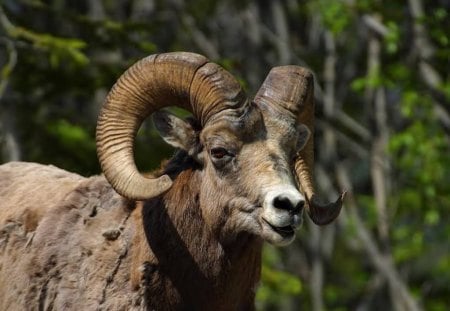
(324, 214)
(165, 183)
(162, 185)
(145, 188)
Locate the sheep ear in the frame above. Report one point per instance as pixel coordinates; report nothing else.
(304, 135)
(175, 131)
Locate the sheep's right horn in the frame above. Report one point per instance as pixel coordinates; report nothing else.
(182, 79)
(292, 88)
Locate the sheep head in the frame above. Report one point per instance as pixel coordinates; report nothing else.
(250, 153)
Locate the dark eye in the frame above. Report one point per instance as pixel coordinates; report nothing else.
(219, 152)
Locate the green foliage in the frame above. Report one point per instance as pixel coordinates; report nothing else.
(422, 166)
(368, 209)
(59, 49)
(412, 243)
(392, 38)
(440, 35)
(336, 15)
(372, 80)
(346, 276)
(276, 285)
(420, 150)
(71, 136)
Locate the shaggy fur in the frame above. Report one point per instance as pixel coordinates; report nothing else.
(69, 255)
(91, 249)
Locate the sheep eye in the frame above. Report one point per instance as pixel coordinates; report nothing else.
(218, 153)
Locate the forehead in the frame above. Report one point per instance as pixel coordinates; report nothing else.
(246, 127)
(255, 124)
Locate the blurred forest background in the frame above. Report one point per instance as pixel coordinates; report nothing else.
(383, 122)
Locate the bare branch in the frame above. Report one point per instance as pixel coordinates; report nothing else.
(379, 161)
(429, 75)
(382, 263)
(380, 166)
(281, 29)
(375, 25)
(354, 147)
(329, 75)
(11, 150)
(421, 41)
(5, 22)
(9, 66)
(200, 39)
(374, 284)
(353, 125)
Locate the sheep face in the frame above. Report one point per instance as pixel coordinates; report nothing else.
(246, 167)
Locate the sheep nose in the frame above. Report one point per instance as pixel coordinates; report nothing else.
(290, 204)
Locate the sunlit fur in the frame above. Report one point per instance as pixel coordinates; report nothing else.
(72, 243)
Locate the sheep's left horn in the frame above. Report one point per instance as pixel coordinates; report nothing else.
(292, 88)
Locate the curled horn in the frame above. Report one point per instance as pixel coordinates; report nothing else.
(292, 88)
(179, 79)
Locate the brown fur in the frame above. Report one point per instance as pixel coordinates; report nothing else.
(90, 249)
(72, 243)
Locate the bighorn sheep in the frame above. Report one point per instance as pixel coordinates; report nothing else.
(186, 238)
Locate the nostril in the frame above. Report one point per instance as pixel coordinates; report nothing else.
(283, 202)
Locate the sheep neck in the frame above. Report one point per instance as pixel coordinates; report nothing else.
(184, 259)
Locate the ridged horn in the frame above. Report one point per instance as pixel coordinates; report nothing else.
(181, 79)
(292, 89)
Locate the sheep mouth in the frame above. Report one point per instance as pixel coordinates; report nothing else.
(285, 232)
